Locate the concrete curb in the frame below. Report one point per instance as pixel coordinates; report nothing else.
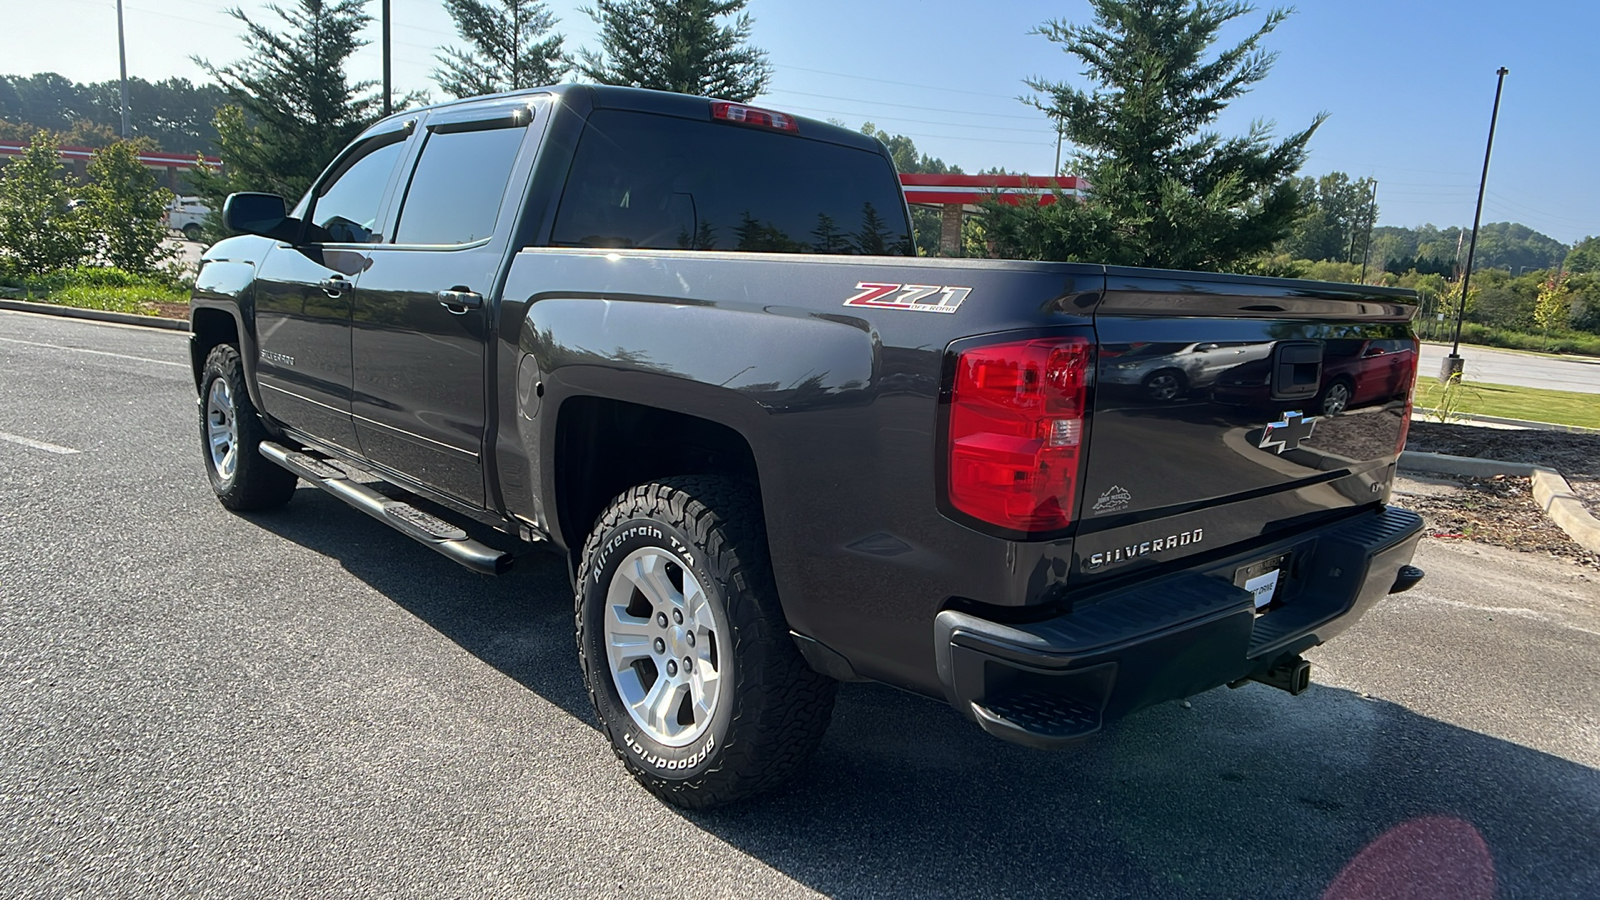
(1550, 490)
(94, 315)
(1421, 414)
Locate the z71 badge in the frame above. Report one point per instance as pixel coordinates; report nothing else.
(918, 297)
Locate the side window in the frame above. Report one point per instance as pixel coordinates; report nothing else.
(455, 192)
(346, 208)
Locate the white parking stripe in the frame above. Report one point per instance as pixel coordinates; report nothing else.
(159, 362)
(37, 445)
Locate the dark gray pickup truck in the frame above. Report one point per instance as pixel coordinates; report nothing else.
(688, 345)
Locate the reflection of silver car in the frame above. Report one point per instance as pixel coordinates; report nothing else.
(1166, 371)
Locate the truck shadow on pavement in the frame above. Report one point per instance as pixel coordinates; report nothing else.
(1248, 793)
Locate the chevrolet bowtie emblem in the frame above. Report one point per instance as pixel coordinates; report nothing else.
(1287, 434)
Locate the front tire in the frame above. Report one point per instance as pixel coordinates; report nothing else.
(230, 437)
(684, 648)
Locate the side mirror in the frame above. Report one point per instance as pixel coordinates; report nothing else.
(263, 214)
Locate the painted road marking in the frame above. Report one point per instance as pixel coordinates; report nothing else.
(159, 362)
(37, 445)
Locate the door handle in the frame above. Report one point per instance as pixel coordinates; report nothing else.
(334, 286)
(459, 300)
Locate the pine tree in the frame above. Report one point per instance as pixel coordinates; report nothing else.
(510, 48)
(677, 45)
(1163, 189)
(293, 106)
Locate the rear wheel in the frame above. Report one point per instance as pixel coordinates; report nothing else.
(688, 660)
(1164, 386)
(1336, 399)
(230, 435)
(192, 231)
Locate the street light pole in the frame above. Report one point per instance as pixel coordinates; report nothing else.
(122, 54)
(388, 92)
(1453, 363)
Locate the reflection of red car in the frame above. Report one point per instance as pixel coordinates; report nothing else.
(1355, 373)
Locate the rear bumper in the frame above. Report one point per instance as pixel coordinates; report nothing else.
(1054, 682)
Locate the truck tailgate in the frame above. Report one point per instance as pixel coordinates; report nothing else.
(1226, 411)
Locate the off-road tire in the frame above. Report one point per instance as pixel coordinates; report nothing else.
(773, 707)
(255, 483)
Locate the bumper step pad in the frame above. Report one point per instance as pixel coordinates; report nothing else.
(1038, 718)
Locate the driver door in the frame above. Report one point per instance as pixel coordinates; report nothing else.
(303, 292)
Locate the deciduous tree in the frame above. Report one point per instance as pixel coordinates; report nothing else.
(40, 232)
(122, 209)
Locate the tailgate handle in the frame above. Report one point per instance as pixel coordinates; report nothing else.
(1296, 370)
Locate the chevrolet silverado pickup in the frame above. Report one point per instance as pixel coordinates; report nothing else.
(687, 344)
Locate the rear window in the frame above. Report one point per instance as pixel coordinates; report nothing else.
(660, 182)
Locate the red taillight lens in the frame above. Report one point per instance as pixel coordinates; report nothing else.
(1411, 393)
(740, 114)
(1016, 432)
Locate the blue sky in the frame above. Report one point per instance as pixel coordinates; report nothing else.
(1408, 84)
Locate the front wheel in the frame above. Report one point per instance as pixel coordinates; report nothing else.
(230, 435)
(192, 231)
(683, 645)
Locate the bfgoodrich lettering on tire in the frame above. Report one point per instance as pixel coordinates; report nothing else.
(688, 660)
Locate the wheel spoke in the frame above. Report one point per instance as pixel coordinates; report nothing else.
(703, 687)
(220, 439)
(628, 639)
(697, 605)
(650, 575)
(660, 705)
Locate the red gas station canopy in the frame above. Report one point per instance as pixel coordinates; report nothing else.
(967, 190)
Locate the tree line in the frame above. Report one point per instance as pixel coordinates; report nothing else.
(1151, 79)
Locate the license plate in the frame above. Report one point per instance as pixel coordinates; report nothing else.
(1261, 579)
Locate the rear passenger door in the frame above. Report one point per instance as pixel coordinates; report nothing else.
(422, 311)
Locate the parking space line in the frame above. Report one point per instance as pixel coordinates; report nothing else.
(37, 445)
(159, 362)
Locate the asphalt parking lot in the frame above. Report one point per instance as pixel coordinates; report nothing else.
(305, 704)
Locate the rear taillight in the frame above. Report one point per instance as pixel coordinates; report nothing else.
(1016, 432)
(740, 114)
(1411, 393)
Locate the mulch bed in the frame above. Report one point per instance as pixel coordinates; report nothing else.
(1501, 511)
(1575, 455)
(1571, 454)
(170, 310)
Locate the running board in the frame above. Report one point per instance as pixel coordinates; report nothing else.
(428, 530)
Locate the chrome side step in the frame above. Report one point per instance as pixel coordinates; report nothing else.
(428, 530)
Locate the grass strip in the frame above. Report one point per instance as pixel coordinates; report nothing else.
(1512, 402)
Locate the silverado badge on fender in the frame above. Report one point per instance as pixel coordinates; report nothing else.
(918, 297)
(1287, 434)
